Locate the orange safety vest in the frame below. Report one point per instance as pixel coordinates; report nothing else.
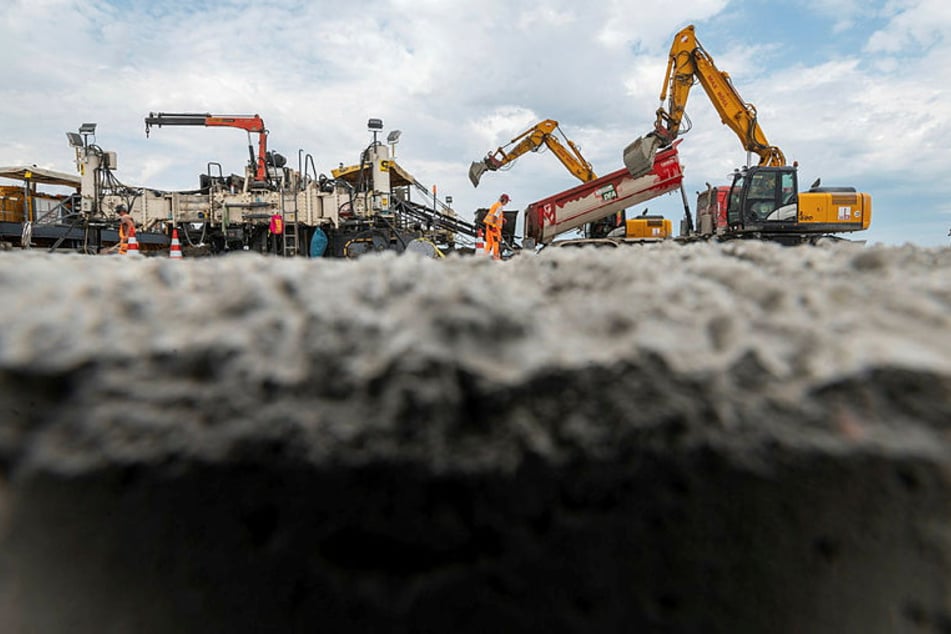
(124, 236)
(277, 224)
(493, 218)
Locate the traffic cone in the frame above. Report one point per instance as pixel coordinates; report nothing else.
(132, 247)
(480, 245)
(175, 250)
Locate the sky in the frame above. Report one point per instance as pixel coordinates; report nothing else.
(855, 91)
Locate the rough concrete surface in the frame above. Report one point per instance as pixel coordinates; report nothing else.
(707, 438)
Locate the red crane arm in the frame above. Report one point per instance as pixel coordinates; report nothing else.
(250, 123)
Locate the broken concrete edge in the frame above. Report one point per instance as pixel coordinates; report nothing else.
(877, 410)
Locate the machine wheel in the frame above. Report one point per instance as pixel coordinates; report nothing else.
(370, 241)
(423, 247)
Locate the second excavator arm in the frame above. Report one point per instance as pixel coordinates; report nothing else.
(540, 134)
(250, 123)
(688, 63)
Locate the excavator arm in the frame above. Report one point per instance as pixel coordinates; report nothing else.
(531, 140)
(687, 64)
(250, 123)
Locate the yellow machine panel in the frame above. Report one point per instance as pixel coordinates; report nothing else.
(11, 203)
(648, 228)
(839, 208)
(13, 208)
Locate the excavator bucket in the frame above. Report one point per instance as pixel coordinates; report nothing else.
(476, 170)
(639, 155)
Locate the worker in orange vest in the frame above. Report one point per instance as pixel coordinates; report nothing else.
(493, 220)
(126, 227)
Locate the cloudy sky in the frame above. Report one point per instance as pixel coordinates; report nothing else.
(855, 91)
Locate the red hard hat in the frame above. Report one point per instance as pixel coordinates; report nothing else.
(505, 197)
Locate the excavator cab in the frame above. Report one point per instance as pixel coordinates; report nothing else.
(762, 195)
(766, 200)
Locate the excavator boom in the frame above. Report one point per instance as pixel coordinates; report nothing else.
(689, 61)
(541, 133)
(250, 123)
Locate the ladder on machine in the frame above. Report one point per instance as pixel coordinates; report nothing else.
(291, 234)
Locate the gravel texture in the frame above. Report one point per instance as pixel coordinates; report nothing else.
(703, 438)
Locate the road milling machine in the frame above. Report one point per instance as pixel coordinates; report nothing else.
(275, 209)
(764, 201)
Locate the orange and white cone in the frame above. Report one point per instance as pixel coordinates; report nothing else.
(133, 244)
(175, 250)
(480, 244)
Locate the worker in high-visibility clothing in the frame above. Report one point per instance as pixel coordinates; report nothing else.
(493, 221)
(126, 228)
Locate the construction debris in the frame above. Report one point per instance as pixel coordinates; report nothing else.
(554, 443)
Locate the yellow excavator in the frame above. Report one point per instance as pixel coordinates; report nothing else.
(764, 200)
(542, 133)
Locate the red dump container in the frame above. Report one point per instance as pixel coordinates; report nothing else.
(573, 208)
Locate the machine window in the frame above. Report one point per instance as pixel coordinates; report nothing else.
(761, 200)
(736, 200)
(788, 195)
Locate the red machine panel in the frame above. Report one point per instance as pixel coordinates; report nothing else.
(550, 217)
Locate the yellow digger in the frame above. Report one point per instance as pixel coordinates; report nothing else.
(764, 200)
(542, 133)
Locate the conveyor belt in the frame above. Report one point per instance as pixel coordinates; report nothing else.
(434, 219)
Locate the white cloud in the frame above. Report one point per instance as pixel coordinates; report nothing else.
(914, 25)
(504, 123)
(649, 22)
(541, 15)
(844, 13)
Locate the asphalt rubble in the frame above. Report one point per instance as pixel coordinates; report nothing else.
(706, 438)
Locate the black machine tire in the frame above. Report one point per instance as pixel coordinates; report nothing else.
(364, 242)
